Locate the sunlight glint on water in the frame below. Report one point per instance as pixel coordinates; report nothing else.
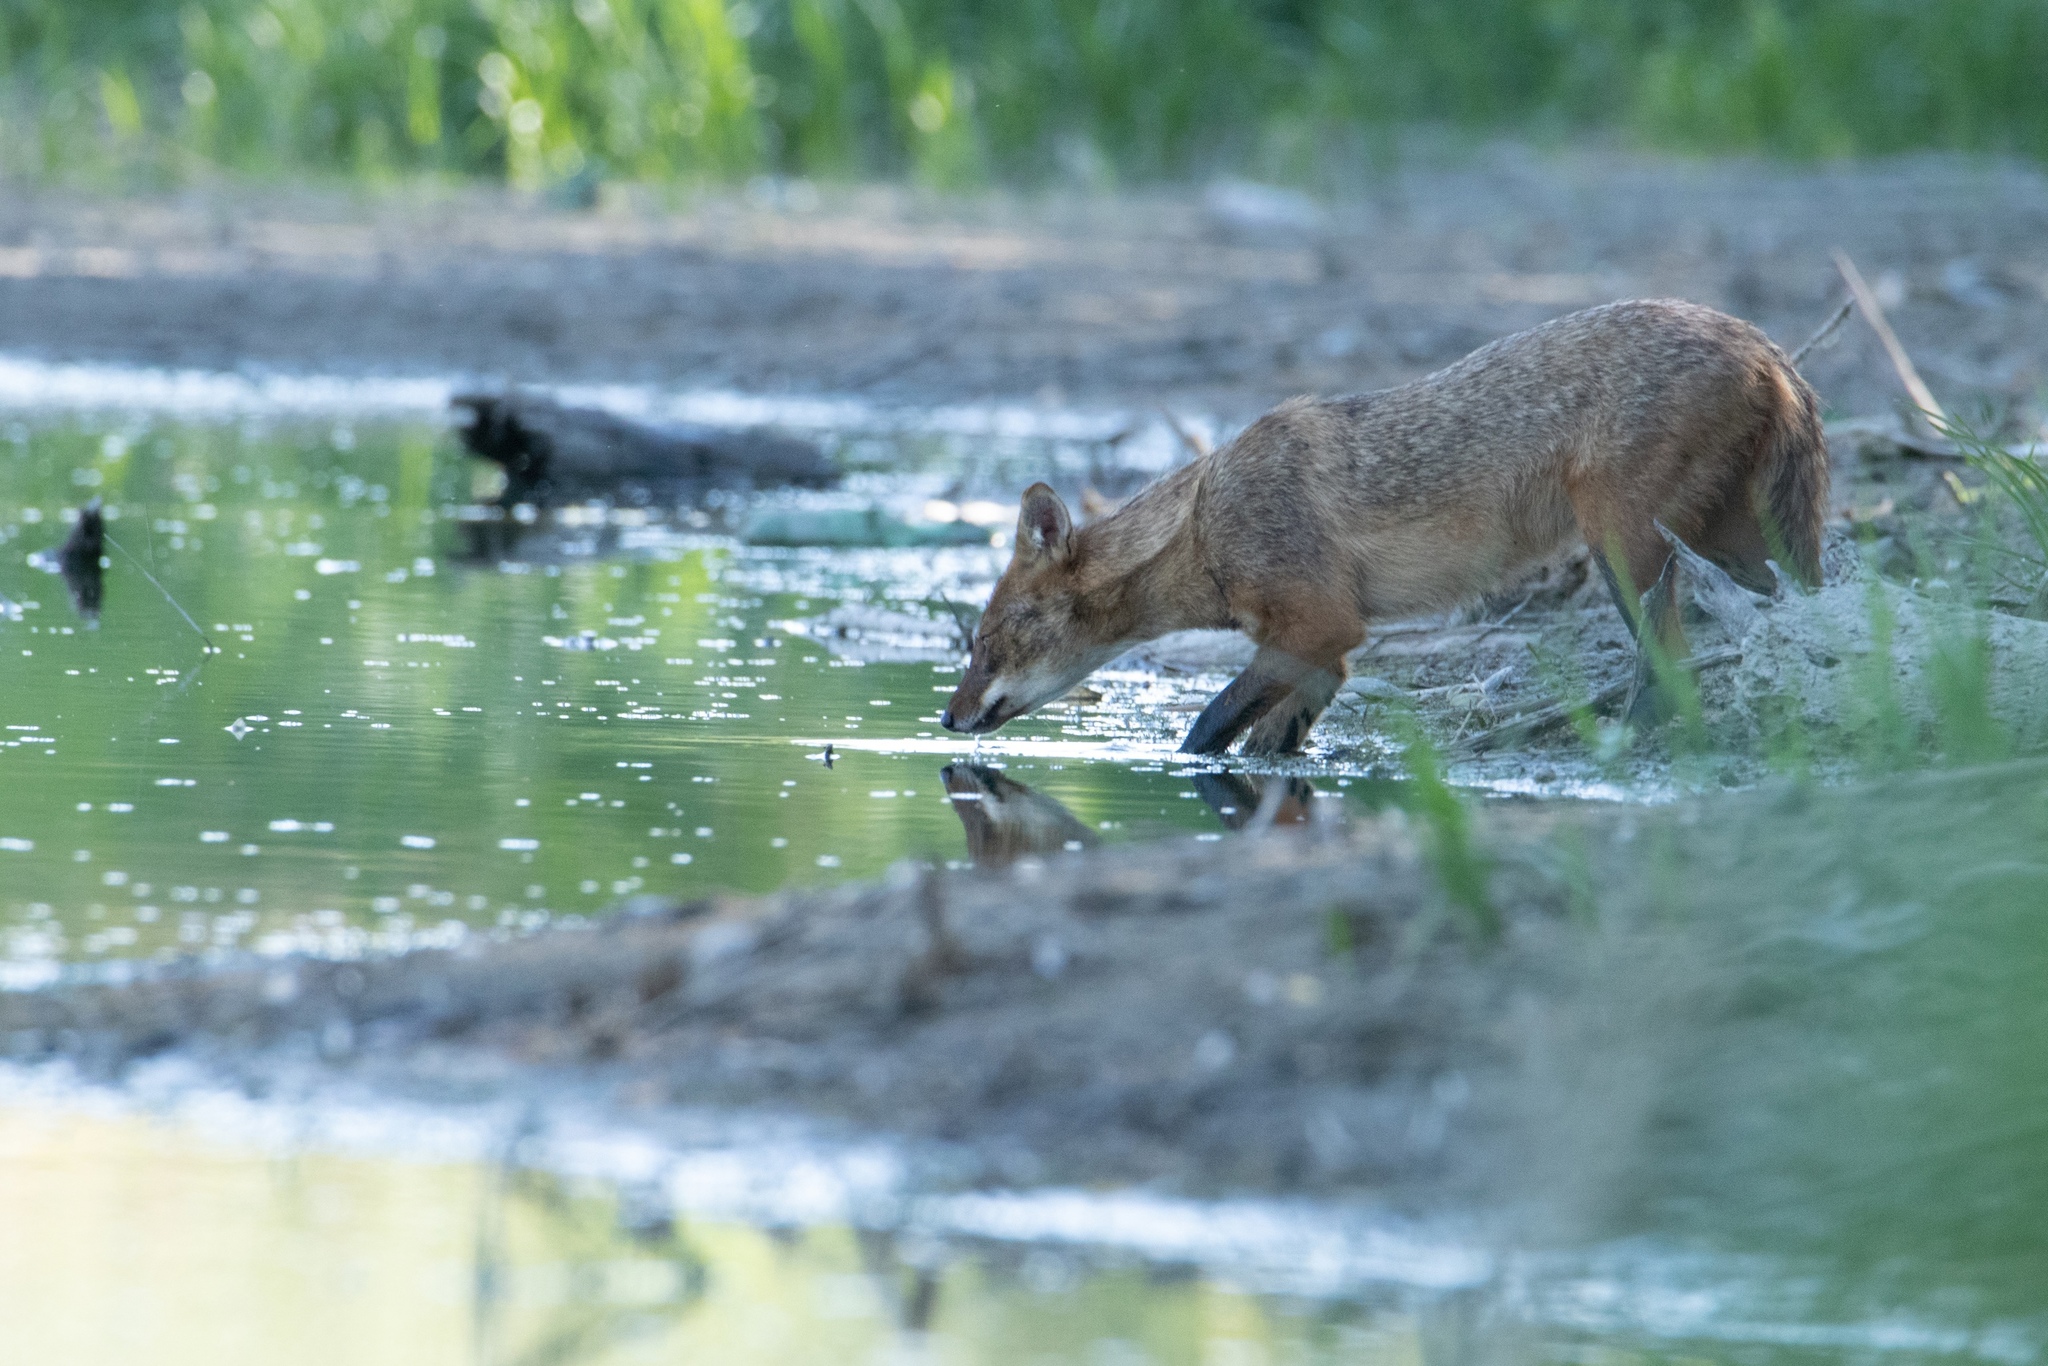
(395, 744)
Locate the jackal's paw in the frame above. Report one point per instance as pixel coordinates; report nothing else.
(1280, 731)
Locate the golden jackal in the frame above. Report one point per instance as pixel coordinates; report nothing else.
(1324, 516)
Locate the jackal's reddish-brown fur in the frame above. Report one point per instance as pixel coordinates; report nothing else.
(1323, 516)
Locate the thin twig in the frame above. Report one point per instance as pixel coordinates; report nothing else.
(175, 604)
(959, 614)
(1827, 329)
(1463, 726)
(1485, 685)
(1516, 610)
(1196, 446)
(1512, 613)
(1873, 313)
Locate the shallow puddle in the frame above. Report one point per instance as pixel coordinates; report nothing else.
(393, 741)
(205, 1227)
(163, 1245)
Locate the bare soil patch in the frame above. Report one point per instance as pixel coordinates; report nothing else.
(1160, 297)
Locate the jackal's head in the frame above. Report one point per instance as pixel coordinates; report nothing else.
(1004, 820)
(1034, 642)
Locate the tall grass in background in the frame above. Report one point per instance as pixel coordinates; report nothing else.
(954, 93)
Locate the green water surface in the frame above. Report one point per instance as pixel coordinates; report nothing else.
(381, 740)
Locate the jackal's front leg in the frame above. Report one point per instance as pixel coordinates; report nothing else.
(1303, 634)
(1277, 697)
(1284, 729)
(1267, 680)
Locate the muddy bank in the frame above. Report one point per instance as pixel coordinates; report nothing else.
(1297, 1008)
(1285, 1011)
(1166, 296)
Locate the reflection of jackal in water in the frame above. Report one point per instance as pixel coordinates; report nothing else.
(1005, 820)
(1238, 799)
(1322, 517)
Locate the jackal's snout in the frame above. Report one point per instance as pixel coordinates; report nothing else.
(962, 724)
(964, 707)
(973, 710)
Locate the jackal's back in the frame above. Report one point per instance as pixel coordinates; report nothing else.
(1429, 493)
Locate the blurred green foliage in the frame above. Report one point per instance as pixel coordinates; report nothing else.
(953, 93)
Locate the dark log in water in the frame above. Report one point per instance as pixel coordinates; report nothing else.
(550, 451)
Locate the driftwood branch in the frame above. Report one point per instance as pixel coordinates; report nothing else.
(1528, 724)
(1873, 313)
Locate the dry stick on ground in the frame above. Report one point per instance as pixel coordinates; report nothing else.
(1512, 613)
(1468, 634)
(1826, 330)
(1526, 724)
(1916, 388)
(1485, 685)
(1866, 302)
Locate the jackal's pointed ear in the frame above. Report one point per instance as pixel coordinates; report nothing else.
(1043, 527)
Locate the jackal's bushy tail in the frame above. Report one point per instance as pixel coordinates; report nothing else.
(1795, 474)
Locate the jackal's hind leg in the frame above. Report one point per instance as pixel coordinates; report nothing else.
(1653, 619)
(1284, 729)
(1615, 591)
(1649, 697)
(1734, 538)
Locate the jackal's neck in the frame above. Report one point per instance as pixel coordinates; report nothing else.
(1139, 570)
